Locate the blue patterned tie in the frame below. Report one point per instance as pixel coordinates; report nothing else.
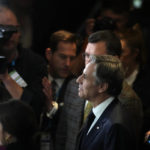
(54, 85)
(85, 129)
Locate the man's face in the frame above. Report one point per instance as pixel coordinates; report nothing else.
(96, 49)
(62, 58)
(87, 87)
(121, 20)
(128, 58)
(9, 46)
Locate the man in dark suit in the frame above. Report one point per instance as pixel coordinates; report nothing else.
(99, 43)
(101, 83)
(22, 72)
(62, 50)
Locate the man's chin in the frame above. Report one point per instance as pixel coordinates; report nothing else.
(81, 95)
(63, 75)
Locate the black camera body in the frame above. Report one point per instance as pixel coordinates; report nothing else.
(6, 32)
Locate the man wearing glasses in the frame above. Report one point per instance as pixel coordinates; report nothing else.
(99, 43)
(23, 70)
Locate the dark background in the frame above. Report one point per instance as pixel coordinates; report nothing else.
(53, 15)
(48, 16)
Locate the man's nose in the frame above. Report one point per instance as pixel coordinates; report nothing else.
(87, 60)
(68, 62)
(79, 79)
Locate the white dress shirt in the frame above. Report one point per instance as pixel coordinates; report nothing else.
(98, 110)
(130, 80)
(59, 82)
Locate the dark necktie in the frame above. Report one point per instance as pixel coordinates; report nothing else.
(85, 129)
(54, 85)
(90, 119)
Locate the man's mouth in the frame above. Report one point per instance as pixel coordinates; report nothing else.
(80, 88)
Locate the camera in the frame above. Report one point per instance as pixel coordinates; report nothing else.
(6, 32)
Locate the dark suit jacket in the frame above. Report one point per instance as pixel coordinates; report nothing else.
(57, 125)
(141, 86)
(112, 131)
(74, 108)
(32, 68)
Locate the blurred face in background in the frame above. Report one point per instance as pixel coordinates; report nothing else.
(96, 49)
(128, 57)
(61, 60)
(8, 47)
(121, 19)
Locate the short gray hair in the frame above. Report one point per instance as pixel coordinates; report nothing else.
(108, 70)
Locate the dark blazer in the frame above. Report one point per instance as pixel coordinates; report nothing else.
(141, 86)
(57, 124)
(112, 131)
(74, 108)
(32, 68)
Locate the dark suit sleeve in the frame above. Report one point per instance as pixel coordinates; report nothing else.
(32, 68)
(33, 94)
(118, 138)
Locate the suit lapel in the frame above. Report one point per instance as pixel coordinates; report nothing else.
(63, 89)
(98, 127)
(80, 136)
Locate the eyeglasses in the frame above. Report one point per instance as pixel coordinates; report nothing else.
(85, 55)
(89, 57)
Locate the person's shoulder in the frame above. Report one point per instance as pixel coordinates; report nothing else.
(130, 100)
(72, 85)
(30, 52)
(144, 72)
(73, 82)
(30, 56)
(128, 94)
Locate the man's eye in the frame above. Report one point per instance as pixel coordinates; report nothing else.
(62, 56)
(72, 58)
(65, 57)
(85, 55)
(84, 76)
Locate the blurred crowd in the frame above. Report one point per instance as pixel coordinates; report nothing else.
(46, 57)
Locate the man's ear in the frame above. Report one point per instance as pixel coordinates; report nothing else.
(48, 54)
(103, 87)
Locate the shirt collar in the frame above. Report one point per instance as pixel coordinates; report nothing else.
(59, 81)
(98, 110)
(130, 80)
